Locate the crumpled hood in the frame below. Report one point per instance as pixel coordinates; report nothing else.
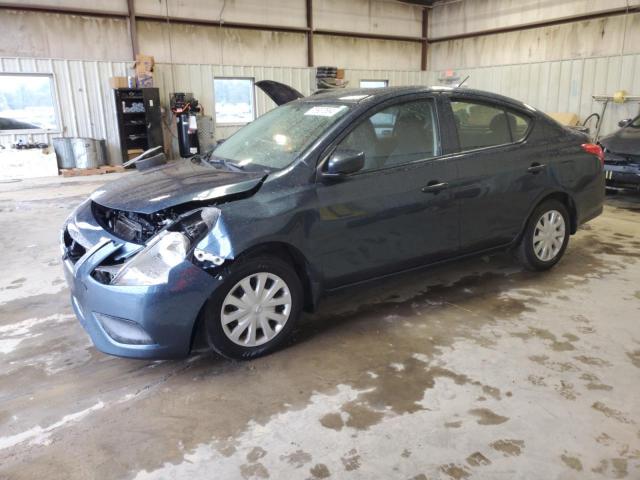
(173, 184)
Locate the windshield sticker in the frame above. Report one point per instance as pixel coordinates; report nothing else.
(324, 111)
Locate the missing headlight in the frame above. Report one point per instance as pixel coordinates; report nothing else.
(132, 226)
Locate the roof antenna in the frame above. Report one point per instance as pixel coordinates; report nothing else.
(462, 82)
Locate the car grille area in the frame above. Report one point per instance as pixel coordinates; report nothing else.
(72, 249)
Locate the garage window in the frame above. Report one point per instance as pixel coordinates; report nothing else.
(374, 83)
(234, 100)
(27, 103)
(481, 125)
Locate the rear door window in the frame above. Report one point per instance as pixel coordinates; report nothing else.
(480, 125)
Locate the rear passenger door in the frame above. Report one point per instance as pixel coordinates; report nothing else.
(500, 175)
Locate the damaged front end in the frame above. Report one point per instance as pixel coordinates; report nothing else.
(153, 244)
(138, 281)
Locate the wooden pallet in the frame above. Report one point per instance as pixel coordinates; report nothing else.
(81, 172)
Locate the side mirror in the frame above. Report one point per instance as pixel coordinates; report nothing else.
(344, 162)
(624, 123)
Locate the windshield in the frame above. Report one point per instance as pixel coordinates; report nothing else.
(275, 139)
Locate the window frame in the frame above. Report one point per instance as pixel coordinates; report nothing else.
(254, 113)
(55, 102)
(386, 82)
(498, 105)
(409, 98)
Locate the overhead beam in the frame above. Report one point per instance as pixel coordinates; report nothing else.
(369, 36)
(545, 23)
(63, 10)
(424, 40)
(217, 23)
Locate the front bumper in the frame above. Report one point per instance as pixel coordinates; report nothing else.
(166, 313)
(622, 175)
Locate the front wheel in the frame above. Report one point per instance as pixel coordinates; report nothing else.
(254, 311)
(546, 236)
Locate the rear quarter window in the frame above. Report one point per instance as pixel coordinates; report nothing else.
(481, 125)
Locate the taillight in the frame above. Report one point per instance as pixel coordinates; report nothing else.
(594, 149)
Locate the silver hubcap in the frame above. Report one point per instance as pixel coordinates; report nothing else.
(548, 237)
(256, 309)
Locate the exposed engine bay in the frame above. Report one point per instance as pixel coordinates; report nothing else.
(131, 226)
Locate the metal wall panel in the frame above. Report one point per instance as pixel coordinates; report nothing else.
(86, 107)
(84, 100)
(563, 86)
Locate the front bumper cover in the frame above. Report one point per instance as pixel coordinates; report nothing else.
(166, 313)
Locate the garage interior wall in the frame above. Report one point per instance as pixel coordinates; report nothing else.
(554, 68)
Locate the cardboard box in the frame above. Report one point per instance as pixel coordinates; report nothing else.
(144, 80)
(118, 82)
(134, 152)
(565, 118)
(144, 64)
(340, 73)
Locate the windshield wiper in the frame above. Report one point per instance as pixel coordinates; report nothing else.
(210, 159)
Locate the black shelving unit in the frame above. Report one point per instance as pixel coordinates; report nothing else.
(139, 119)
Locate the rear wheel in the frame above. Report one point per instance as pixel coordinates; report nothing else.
(546, 236)
(255, 309)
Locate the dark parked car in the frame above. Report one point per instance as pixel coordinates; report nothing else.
(321, 193)
(622, 156)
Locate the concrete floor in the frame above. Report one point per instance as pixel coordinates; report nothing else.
(474, 370)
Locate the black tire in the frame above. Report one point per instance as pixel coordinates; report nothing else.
(525, 252)
(242, 268)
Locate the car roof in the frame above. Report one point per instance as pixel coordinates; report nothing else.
(359, 95)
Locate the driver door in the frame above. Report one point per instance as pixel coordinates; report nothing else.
(396, 213)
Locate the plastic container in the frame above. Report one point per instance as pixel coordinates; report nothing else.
(85, 152)
(64, 152)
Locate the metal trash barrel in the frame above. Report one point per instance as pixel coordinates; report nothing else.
(103, 158)
(64, 152)
(85, 152)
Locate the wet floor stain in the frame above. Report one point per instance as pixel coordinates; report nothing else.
(320, 470)
(487, 417)
(351, 461)
(509, 448)
(611, 412)
(456, 472)
(613, 468)
(634, 357)
(297, 459)
(593, 361)
(477, 459)
(376, 333)
(549, 337)
(594, 383)
(573, 463)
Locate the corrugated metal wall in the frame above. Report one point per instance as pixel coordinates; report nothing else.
(84, 99)
(86, 106)
(563, 86)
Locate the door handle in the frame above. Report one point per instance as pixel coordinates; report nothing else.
(435, 187)
(536, 168)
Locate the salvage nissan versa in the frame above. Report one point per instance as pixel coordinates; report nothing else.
(320, 193)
